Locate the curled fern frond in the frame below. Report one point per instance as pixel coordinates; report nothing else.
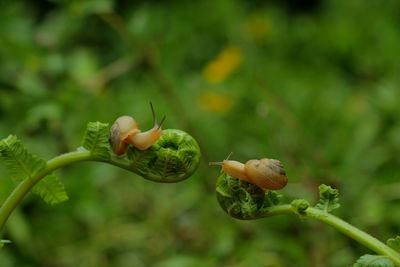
(51, 190)
(19, 162)
(272, 198)
(300, 206)
(243, 200)
(172, 158)
(374, 261)
(96, 138)
(328, 198)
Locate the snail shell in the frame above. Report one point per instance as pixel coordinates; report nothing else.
(121, 130)
(266, 173)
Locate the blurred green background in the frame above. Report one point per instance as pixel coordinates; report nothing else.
(314, 84)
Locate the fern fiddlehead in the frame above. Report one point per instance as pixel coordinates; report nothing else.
(172, 158)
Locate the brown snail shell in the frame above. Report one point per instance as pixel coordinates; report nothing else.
(266, 173)
(121, 130)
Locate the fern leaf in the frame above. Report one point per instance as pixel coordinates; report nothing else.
(328, 198)
(96, 139)
(374, 261)
(51, 190)
(20, 163)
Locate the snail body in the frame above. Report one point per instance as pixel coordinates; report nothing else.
(267, 174)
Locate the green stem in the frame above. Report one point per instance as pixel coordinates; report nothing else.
(26, 185)
(342, 226)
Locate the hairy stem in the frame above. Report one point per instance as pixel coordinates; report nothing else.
(340, 225)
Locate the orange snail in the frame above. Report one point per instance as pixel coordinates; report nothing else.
(125, 131)
(268, 174)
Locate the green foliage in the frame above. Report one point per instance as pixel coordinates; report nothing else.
(240, 199)
(373, 261)
(51, 190)
(23, 165)
(20, 163)
(173, 158)
(272, 198)
(328, 198)
(3, 242)
(394, 243)
(300, 205)
(243, 200)
(96, 139)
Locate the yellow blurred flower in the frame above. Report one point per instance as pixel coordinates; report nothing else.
(223, 65)
(215, 102)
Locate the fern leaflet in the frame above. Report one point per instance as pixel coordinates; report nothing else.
(51, 190)
(19, 162)
(328, 198)
(96, 139)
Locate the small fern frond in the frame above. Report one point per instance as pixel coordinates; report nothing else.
(19, 162)
(300, 206)
(95, 139)
(328, 198)
(51, 190)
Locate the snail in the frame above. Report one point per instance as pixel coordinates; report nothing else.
(125, 131)
(267, 174)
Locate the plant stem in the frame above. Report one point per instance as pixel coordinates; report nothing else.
(26, 185)
(340, 225)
